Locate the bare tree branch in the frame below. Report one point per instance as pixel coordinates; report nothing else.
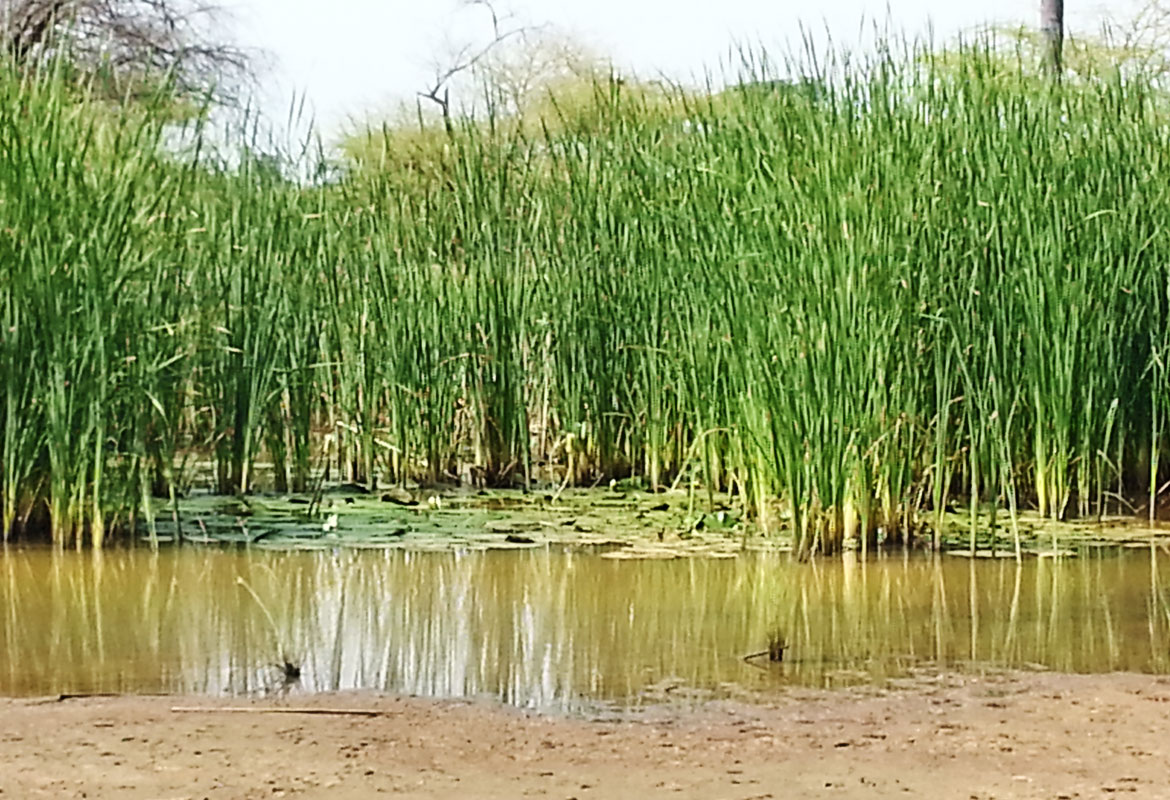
(131, 43)
(467, 57)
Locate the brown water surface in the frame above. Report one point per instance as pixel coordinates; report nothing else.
(557, 629)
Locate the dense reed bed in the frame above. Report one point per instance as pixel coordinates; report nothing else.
(917, 285)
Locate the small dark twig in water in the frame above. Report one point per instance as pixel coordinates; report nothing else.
(777, 644)
(773, 655)
(290, 672)
(287, 676)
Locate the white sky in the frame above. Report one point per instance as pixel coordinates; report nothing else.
(352, 58)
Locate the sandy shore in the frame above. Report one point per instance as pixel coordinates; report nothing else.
(1009, 736)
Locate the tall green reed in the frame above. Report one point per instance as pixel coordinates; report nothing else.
(849, 300)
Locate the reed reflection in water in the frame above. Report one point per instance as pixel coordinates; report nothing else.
(551, 629)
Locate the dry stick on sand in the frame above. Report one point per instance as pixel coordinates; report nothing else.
(352, 712)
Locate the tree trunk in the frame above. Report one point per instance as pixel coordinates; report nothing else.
(1052, 26)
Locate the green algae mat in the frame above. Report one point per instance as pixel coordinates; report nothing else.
(995, 536)
(617, 523)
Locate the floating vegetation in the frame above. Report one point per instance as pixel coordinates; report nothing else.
(1036, 535)
(632, 527)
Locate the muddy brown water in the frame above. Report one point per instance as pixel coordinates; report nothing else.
(559, 629)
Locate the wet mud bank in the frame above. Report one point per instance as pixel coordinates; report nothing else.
(999, 735)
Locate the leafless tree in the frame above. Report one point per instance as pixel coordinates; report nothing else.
(467, 57)
(131, 43)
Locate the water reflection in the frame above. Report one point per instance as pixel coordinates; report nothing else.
(556, 629)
